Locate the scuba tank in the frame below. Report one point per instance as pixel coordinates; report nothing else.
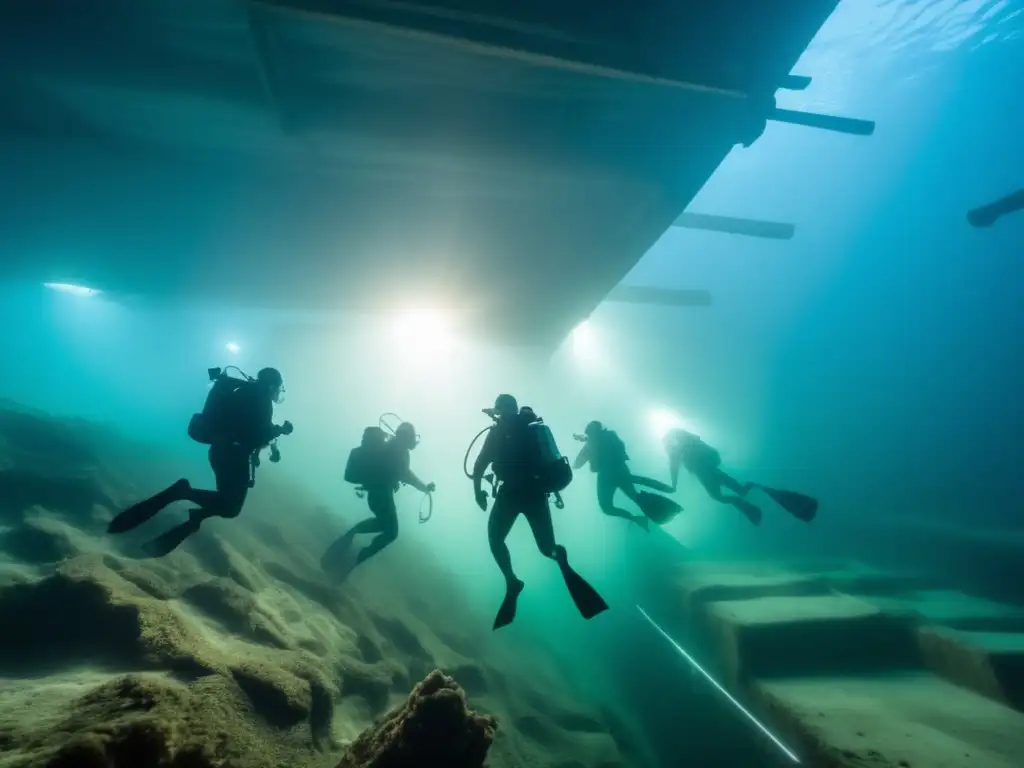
(554, 472)
(214, 421)
(364, 461)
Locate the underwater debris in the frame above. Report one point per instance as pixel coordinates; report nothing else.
(434, 727)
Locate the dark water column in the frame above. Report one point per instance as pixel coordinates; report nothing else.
(684, 718)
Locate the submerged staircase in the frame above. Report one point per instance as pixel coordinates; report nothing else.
(852, 666)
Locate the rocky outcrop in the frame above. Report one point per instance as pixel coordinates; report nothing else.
(435, 727)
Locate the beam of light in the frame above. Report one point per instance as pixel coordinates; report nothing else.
(233, 348)
(662, 421)
(583, 340)
(422, 333)
(74, 290)
(746, 713)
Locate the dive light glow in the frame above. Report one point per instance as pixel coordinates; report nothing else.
(233, 348)
(74, 290)
(743, 710)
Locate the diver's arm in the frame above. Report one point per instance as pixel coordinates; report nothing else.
(582, 457)
(483, 460)
(409, 478)
(673, 467)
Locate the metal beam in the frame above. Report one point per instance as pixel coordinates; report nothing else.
(768, 230)
(848, 125)
(795, 82)
(662, 297)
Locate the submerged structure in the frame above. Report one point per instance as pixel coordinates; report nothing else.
(363, 154)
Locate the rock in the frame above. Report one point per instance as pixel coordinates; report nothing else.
(991, 663)
(889, 721)
(775, 636)
(434, 727)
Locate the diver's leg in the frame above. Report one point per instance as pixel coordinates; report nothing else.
(713, 485)
(230, 465)
(650, 482)
(382, 504)
(139, 513)
(732, 484)
(607, 485)
(499, 525)
(538, 515)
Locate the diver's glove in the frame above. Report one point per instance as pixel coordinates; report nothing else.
(481, 499)
(429, 487)
(287, 428)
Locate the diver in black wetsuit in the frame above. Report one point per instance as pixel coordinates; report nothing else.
(987, 215)
(237, 426)
(513, 449)
(391, 468)
(604, 450)
(686, 449)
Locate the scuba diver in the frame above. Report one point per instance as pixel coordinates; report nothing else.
(987, 215)
(237, 423)
(704, 462)
(604, 450)
(527, 469)
(378, 467)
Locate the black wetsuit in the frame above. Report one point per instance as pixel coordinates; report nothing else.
(233, 458)
(380, 498)
(606, 454)
(243, 427)
(507, 448)
(704, 463)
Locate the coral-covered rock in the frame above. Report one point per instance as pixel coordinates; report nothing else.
(435, 727)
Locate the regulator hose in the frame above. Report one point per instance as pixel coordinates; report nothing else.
(469, 450)
(428, 499)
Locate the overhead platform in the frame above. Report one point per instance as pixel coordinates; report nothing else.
(507, 161)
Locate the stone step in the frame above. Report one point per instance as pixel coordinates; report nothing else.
(954, 609)
(787, 636)
(910, 720)
(710, 581)
(991, 663)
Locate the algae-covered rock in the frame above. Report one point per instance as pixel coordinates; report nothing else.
(435, 727)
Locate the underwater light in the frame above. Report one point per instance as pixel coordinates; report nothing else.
(421, 325)
(583, 341)
(662, 421)
(745, 712)
(233, 348)
(74, 290)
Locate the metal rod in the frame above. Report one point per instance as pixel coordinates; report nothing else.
(665, 297)
(721, 689)
(847, 125)
(795, 82)
(769, 230)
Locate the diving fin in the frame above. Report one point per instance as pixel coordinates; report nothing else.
(751, 511)
(800, 506)
(334, 558)
(659, 509)
(145, 510)
(507, 612)
(588, 602)
(168, 541)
